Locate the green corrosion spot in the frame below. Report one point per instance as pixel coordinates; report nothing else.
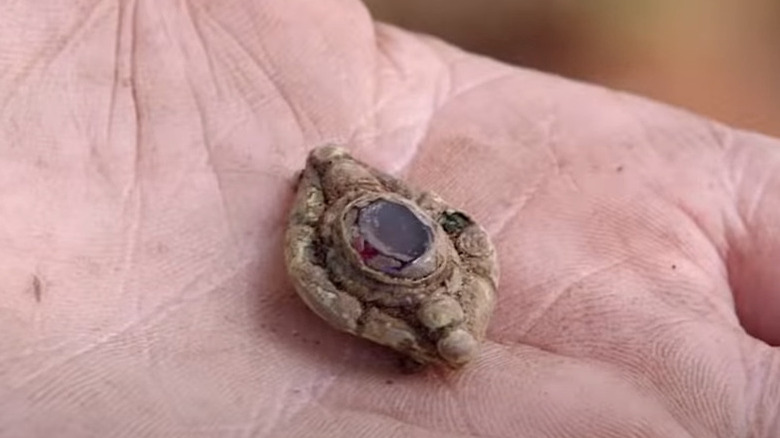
(454, 222)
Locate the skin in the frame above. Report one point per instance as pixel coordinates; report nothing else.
(148, 157)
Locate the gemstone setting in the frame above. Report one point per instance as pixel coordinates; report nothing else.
(389, 236)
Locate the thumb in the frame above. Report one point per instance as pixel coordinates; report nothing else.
(753, 266)
(762, 395)
(753, 259)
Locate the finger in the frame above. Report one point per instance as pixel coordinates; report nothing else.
(753, 260)
(762, 367)
(753, 264)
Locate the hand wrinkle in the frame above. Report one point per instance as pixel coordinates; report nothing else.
(189, 9)
(134, 184)
(370, 118)
(49, 54)
(118, 80)
(739, 228)
(724, 138)
(302, 120)
(379, 38)
(725, 141)
(462, 408)
(473, 86)
(133, 202)
(208, 141)
(440, 98)
(378, 105)
(553, 297)
(715, 239)
(640, 379)
(770, 397)
(443, 89)
(37, 352)
(602, 364)
(623, 102)
(288, 409)
(550, 143)
(417, 145)
(263, 421)
(398, 423)
(422, 124)
(500, 225)
(187, 295)
(759, 194)
(211, 161)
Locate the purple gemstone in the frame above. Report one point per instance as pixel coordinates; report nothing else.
(392, 230)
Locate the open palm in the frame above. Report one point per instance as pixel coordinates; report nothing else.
(148, 160)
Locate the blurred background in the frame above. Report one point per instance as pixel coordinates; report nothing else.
(719, 58)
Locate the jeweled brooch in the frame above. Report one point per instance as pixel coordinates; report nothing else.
(381, 260)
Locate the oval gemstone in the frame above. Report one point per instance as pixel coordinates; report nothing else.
(392, 230)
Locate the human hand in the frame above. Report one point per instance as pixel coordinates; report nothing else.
(148, 153)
